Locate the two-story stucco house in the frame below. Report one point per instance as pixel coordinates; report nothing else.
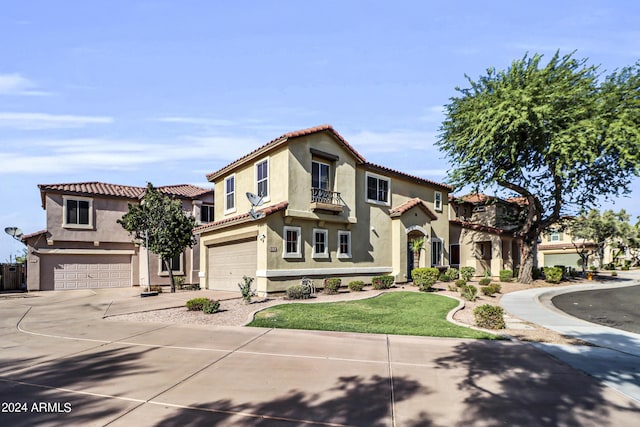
(481, 233)
(83, 246)
(326, 212)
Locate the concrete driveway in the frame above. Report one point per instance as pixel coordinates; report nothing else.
(63, 365)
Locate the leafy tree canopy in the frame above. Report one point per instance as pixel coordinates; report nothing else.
(560, 135)
(160, 218)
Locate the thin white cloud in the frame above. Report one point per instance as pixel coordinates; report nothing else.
(37, 121)
(368, 142)
(16, 84)
(204, 121)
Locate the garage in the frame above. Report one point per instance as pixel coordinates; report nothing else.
(229, 262)
(566, 259)
(92, 271)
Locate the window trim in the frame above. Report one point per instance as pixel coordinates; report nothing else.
(340, 254)
(441, 257)
(557, 234)
(366, 188)
(298, 253)
(65, 224)
(228, 210)
(267, 197)
(328, 165)
(324, 254)
(179, 272)
(437, 206)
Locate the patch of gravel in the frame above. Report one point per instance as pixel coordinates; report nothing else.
(235, 312)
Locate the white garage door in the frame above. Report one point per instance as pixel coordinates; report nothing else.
(227, 263)
(568, 260)
(93, 271)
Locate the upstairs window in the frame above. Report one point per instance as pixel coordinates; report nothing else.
(230, 194)
(437, 201)
(320, 175)
(262, 178)
(377, 189)
(77, 212)
(555, 236)
(206, 214)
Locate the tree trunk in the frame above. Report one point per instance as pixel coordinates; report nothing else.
(416, 259)
(526, 263)
(173, 285)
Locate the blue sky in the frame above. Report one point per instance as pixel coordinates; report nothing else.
(166, 91)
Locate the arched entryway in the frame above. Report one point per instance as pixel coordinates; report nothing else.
(415, 258)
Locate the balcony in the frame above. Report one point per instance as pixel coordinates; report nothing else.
(326, 200)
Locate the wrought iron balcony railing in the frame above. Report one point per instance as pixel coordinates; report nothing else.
(326, 200)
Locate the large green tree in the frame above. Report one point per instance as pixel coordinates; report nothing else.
(161, 225)
(560, 135)
(607, 229)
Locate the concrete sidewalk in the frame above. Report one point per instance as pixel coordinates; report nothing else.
(70, 367)
(614, 357)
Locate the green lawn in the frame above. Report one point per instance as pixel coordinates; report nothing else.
(399, 313)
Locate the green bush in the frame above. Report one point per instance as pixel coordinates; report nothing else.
(453, 274)
(506, 275)
(497, 287)
(245, 288)
(425, 278)
(469, 292)
(484, 281)
(195, 304)
(155, 288)
(331, 286)
(452, 287)
(356, 285)
(461, 282)
(553, 274)
(443, 277)
(179, 281)
(614, 273)
(382, 282)
(467, 273)
(610, 266)
(296, 292)
(488, 290)
(210, 306)
(489, 316)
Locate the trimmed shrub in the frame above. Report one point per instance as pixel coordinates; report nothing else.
(453, 274)
(210, 306)
(553, 274)
(179, 281)
(195, 304)
(295, 292)
(331, 286)
(469, 292)
(356, 285)
(484, 281)
(506, 275)
(497, 287)
(489, 316)
(452, 287)
(614, 273)
(443, 277)
(488, 290)
(155, 288)
(467, 273)
(425, 278)
(382, 282)
(461, 282)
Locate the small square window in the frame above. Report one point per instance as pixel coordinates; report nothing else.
(292, 242)
(344, 244)
(77, 212)
(377, 189)
(320, 243)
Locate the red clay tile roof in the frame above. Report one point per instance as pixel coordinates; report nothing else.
(567, 245)
(398, 211)
(239, 219)
(281, 140)
(478, 227)
(24, 237)
(384, 169)
(116, 190)
(520, 200)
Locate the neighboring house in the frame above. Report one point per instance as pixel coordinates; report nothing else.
(327, 212)
(558, 247)
(481, 233)
(83, 246)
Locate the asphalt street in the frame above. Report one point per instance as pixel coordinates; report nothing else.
(616, 308)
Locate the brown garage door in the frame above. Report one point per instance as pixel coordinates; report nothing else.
(92, 271)
(228, 262)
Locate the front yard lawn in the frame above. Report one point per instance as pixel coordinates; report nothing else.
(398, 313)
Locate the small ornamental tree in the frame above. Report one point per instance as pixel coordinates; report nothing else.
(560, 136)
(159, 224)
(609, 228)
